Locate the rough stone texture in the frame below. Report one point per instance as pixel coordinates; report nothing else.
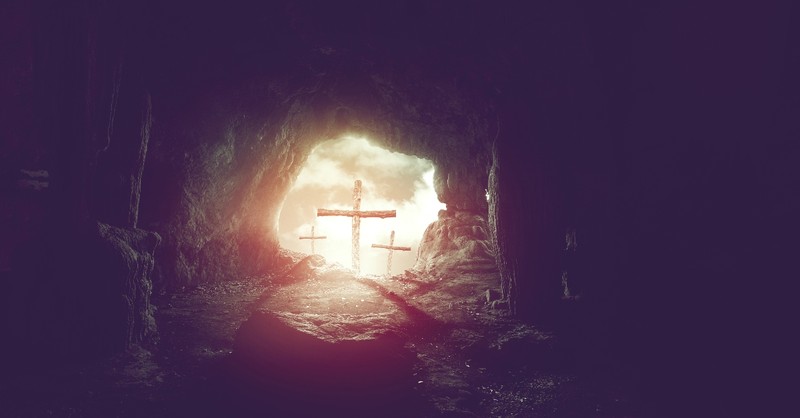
(128, 257)
(311, 373)
(218, 212)
(332, 304)
(329, 304)
(528, 246)
(93, 298)
(457, 242)
(77, 287)
(324, 339)
(312, 318)
(118, 180)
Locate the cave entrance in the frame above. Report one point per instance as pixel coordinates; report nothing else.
(391, 181)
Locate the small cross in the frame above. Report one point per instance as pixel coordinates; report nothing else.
(313, 238)
(391, 249)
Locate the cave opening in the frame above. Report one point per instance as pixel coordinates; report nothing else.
(391, 181)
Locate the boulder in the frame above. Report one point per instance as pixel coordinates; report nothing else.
(457, 242)
(325, 339)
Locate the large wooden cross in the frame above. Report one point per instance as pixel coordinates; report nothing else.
(313, 238)
(391, 249)
(357, 214)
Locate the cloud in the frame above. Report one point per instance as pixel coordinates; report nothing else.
(390, 181)
(340, 162)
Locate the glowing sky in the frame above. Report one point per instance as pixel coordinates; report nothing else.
(390, 180)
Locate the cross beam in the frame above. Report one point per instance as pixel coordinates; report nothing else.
(361, 213)
(356, 214)
(313, 238)
(392, 248)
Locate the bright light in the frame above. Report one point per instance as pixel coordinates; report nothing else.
(390, 181)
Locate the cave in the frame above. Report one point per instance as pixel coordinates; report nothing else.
(612, 192)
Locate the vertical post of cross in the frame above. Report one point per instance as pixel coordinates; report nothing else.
(391, 247)
(389, 262)
(356, 225)
(313, 238)
(357, 214)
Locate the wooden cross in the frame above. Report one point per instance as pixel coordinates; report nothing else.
(313, 238)
(357, 214)
(391, 249)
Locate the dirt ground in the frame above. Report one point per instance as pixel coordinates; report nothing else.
(483, 364)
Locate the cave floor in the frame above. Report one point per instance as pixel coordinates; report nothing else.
(472, 360)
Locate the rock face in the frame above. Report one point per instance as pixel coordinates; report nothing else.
(322, 337)
(355, 372)
(458, 241)
(78, 269)
(329, 303)
(219, 172)
(93, 298)
(127, 261)
(118, 182)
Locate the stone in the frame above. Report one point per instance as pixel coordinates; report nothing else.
(499, 305)
(300, 356)
(457, 242)
(302, 270)
(519, 346)
(326, 339)
(36, 180)
(130, 259)
(492, 295)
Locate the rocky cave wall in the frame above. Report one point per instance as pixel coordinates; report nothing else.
(75, 265)
(231, 166)
(228, 142)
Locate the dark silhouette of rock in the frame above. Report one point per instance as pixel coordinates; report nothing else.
(94, 300)
(300, 359)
